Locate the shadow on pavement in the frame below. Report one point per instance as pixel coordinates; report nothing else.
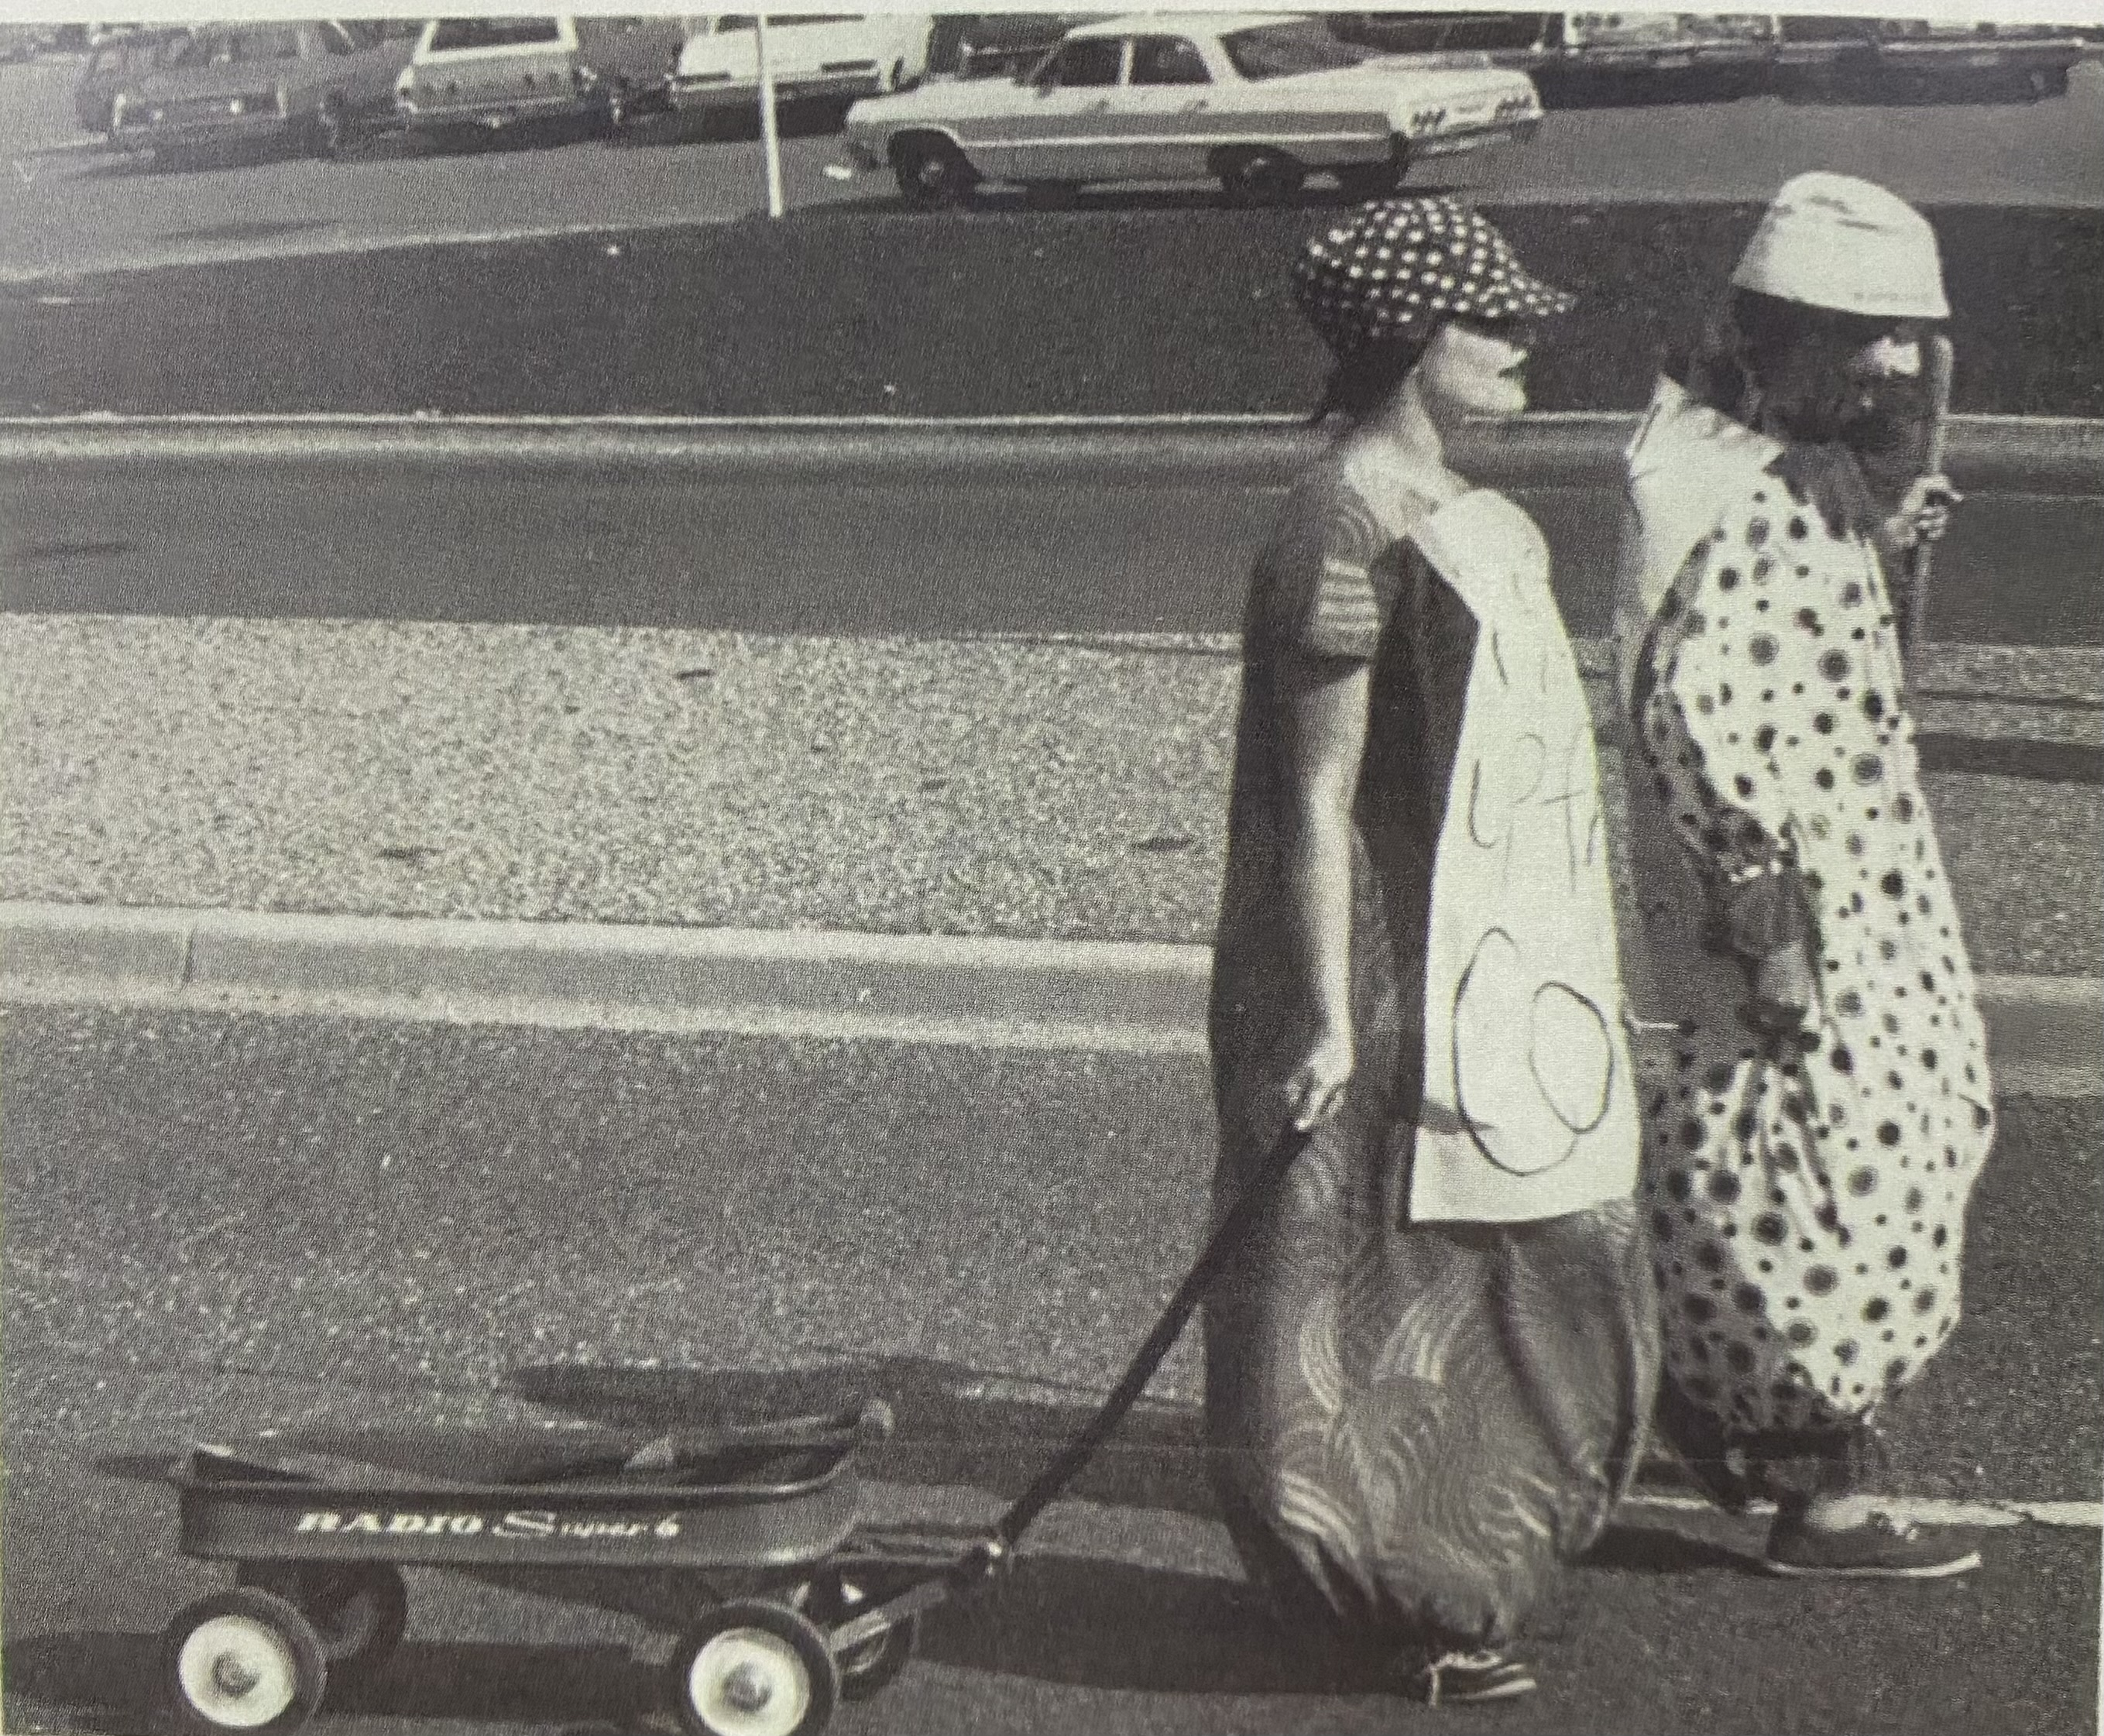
(1635, 1548)
(107, 1682)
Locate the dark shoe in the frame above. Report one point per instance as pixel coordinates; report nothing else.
(1466, 1678)
(1881, 1547)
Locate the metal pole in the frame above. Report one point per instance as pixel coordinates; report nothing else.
(770, 135)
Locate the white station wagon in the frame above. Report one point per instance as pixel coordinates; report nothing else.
(1257, 100)
(827, 54)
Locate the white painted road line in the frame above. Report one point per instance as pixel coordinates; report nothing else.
(1923, 1510)
(2046, 1032)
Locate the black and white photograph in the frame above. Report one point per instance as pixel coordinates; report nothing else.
(1183, 873)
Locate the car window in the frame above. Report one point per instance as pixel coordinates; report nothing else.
(1494, 30)
(1280, 51)
(1168, 60)
(1091, 62)
(238, 47)
(494, 32)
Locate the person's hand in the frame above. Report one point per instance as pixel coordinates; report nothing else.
(1315, 1090)
(1924, 512)
(1784, 988)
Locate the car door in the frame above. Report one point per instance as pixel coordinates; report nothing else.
(1166, 118)
(1059, 128)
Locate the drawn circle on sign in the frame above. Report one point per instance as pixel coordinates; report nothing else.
(1573, 1056)
(1507, 1117)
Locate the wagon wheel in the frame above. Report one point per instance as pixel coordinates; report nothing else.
(360, 1612)
(753, 1668)
(837, 1597)
(242, 1660)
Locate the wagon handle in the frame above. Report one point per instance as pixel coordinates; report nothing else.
(991, 1552)
(1227, 1236)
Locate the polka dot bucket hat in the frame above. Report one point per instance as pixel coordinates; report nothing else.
(1397, 269)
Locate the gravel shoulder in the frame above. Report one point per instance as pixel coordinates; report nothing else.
(939, 786)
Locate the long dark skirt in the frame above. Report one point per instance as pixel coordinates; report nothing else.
(1411, 1426)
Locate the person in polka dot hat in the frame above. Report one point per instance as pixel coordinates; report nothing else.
(1827, 1108)
(1379, 286)
(1428, 1370)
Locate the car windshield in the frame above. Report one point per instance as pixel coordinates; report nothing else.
(1281, 49)
(493, 32)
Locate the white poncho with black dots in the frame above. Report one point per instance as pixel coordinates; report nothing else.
(1806, 1198)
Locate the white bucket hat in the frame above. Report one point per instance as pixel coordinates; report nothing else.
(1832, 241)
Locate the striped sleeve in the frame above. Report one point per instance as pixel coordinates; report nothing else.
(1334, 589)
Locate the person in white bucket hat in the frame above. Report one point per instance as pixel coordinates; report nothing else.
(1812, 1145)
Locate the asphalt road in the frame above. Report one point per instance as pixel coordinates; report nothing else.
(372, 1233)
(67, 209)
(584, 545)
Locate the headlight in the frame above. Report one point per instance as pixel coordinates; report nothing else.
(404, 81)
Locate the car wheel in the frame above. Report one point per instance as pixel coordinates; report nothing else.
(330, 134)
(1261, 177)
(933, 174)
(359, 1611)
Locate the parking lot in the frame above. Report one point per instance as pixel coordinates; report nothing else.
(69, 207)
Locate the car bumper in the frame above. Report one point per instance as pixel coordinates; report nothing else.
(1475, 138)
(498, 112)
(200, 132)
(738, 93)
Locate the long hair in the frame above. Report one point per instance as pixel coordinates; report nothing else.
(1363, 379)
(1782, 367)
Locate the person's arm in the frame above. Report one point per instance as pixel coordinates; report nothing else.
(1323, 704)
(1726, 756)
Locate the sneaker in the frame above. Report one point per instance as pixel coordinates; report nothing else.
(1466, 1678)
(1881, 1547)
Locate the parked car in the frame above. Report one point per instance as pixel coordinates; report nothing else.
(1257, 100)
(316, 86)
(115, 61)
(1636, 50)
(823, 54)
(489, 73)
(1928, 56)
(1921, 59)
